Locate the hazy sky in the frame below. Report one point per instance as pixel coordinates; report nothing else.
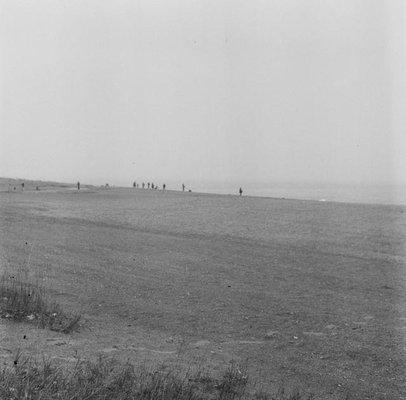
(283, 90)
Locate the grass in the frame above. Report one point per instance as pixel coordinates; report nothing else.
(22, 301)
(107, 379)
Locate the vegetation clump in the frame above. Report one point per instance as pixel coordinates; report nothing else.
(22, 301)
(107, 379)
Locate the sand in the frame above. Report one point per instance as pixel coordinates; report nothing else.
(311, 293)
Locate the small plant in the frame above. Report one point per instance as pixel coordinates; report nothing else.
(21, 301)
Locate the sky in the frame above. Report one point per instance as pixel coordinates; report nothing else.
(277, 90)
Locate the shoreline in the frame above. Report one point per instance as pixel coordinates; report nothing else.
(54, 187)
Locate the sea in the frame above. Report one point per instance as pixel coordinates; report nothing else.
(347, 193)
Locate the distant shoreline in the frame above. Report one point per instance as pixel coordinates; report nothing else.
(8, 184)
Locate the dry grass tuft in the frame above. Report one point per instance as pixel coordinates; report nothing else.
(22, 301)
(108, 379)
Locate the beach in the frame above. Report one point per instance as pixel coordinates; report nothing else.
(308, 293)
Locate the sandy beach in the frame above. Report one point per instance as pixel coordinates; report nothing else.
(311, 294)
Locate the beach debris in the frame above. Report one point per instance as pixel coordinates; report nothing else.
(331, 326)
(31, 317)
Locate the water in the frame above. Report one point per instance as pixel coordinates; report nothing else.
(348, 193)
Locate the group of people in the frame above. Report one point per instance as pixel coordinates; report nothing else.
(150, 185)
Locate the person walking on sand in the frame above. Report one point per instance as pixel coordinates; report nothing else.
(78, 185)
(240, 191)
(148, 184)
(163, 186)
(183, 187)
(143, 185)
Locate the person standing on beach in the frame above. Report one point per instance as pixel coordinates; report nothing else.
(78, 185)
(183, 187)
(148, 184)
(143, 185)
(163, 186)
(240, 191)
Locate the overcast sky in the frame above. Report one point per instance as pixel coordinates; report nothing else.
(283, 90)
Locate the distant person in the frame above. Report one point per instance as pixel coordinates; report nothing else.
(143, 185)
(183, 187)
(22, 186)
(148, 184)
(36, 188)
(78, 185)
(152, 186)
(240, 191)
(134, 184)
(164, 186)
